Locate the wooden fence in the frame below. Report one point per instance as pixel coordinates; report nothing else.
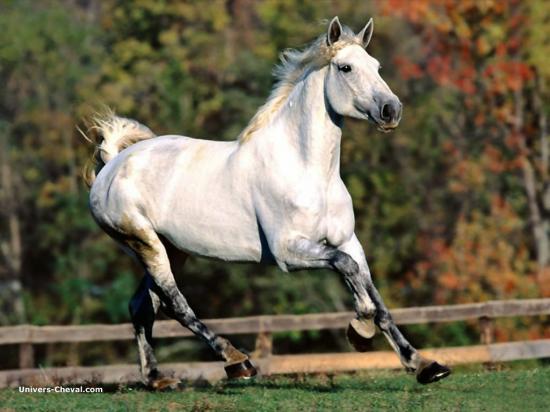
(263, 326)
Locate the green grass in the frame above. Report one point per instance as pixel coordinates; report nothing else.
(470, 389)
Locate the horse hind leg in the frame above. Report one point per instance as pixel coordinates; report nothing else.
(151, 252)
(176, 306)
(143, 307)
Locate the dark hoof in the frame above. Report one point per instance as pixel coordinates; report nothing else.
(241, 370)
(359, 334)
(433, 372)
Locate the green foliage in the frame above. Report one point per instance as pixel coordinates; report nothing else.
(116, 296)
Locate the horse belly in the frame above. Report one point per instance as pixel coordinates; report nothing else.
(229, 238)
(209, 213)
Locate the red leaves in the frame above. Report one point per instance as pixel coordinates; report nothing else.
(407, 68)
(493, 159)
(464, 43)
(507, 76)
(439, 69)
(475, 55)
(465, 84)
(449, 280)
(483, 256)
(500, 76)
(500, 50)
(413, 11)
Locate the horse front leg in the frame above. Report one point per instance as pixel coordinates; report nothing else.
(427, 371)
(308, 254)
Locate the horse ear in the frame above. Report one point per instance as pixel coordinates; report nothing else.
(334, 31)
(366, 34)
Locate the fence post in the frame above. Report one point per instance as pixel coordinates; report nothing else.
(487, 326)
(73, 356)
(264, 345)
(26, 356)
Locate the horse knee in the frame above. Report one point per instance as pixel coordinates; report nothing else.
(366, 309)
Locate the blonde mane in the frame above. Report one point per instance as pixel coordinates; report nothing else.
(295, 65)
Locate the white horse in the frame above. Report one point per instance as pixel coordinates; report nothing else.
(273, 195)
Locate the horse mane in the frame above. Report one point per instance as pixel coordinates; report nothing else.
(294, 66)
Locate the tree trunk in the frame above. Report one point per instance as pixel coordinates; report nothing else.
(12, 309)
(539, 218)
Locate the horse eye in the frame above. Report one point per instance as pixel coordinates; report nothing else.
(346, 68)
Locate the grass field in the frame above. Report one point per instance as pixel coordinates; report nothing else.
(526, 388)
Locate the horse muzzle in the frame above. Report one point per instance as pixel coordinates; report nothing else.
(386, 115)
(390, 114)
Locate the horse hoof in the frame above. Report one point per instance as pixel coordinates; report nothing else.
(432, 372)
(241, 370)
(164, 383)
(359, 334)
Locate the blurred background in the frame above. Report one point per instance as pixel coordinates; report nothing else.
(452, 207)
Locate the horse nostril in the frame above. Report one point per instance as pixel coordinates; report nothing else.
(387, 112)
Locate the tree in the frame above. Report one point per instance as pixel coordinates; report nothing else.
(476, 55)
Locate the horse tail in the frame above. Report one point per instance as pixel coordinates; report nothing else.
(112, 134)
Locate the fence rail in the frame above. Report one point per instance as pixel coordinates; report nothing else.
(27, 335)
(272, 323)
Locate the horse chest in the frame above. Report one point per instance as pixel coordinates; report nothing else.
(321, 212)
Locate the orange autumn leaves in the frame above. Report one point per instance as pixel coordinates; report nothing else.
(475, 55)
(486, 258)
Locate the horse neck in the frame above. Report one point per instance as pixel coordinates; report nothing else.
(311, 129)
